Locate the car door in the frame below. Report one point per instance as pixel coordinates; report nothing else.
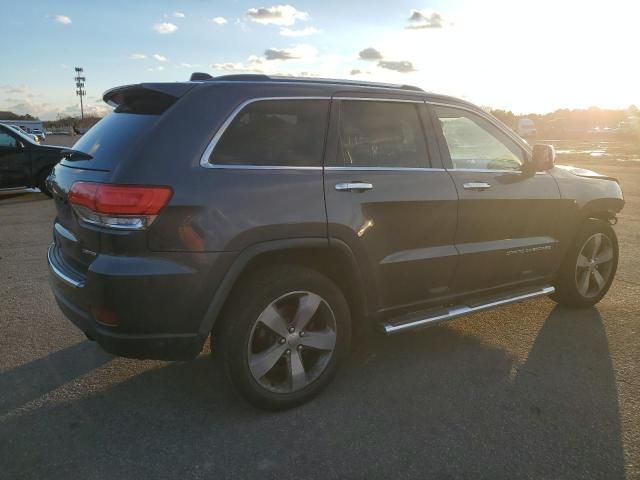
(508, 226)
(389, 200)
(14, 161)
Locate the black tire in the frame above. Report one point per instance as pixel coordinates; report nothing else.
(238, 333)
(42, 183)
(567, 282)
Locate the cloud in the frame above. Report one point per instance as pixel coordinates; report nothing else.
(137, 56)
(235, 67)
(159, 57)
(188, 65)
(355, 71)
(219, 20)
(159, 68)
(399, 66)
(370, 54)
(178, 14)
(282, 15)
(165, 28)
(63, 19)
(294, 53)
(422, 19)
(303, 32)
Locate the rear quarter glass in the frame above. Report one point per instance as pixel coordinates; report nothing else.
(111, 139)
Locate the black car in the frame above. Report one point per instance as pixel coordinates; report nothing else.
(272, 214)
(24, 163)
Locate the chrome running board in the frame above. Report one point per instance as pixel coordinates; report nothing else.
(460, 310)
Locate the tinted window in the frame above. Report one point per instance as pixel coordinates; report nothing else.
(381, 134)
(275, 132)
(111, 137)
(474, 142)
(7, 140)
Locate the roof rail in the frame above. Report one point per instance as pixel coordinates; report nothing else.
(251, 77)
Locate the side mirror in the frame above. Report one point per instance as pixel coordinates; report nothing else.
(543, 158)
(20, 145)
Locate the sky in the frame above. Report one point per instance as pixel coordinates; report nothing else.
(525, 56)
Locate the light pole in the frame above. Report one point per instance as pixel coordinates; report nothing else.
(80, 91)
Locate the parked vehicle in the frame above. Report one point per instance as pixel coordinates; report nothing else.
(526, 128)
(23, 162)
(34, 138)
(274, 213)
(39, 133)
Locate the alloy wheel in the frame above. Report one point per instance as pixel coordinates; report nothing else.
(594, 265)
(292, 342)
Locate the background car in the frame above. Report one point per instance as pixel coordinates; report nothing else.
(23, 161)
(21, 130)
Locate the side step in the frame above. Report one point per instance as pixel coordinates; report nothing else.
(460, 310)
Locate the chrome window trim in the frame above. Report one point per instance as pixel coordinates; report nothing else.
(261, 167)
(204, 159)
(343, 168)
(488, 170)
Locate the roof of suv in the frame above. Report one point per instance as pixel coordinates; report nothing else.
(205, 77)
(328, 86)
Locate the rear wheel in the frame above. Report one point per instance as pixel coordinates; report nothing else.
(42, 183)
(589, 267)
(285, 331)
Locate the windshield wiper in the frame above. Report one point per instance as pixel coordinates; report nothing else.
(72, 155)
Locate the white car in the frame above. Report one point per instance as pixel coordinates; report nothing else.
(39, 133)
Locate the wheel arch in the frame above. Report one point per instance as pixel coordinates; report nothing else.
(335, 260)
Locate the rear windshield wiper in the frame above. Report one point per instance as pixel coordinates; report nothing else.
(73, 155)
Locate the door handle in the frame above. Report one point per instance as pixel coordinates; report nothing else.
(476, 185)
(353, 187)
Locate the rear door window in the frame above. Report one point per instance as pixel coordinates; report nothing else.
(381, 134)
(275, 133)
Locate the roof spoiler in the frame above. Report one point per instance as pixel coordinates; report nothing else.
(125, 94)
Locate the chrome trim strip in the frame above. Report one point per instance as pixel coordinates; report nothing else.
(204, 159)
(488, 170)
(464, 310)
(260, 167)
(59, 273)
(384, 169)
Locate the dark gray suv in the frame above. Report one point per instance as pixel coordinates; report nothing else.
(272, 214)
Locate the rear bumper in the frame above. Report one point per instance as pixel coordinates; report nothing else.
(156, 301)
(142, 346)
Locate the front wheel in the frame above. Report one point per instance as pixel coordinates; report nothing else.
(284, 333)
(589, 267)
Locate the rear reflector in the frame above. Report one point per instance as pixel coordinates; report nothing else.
(105, 317)
(131, 207)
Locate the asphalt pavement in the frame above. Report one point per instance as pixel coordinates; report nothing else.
(531, 390)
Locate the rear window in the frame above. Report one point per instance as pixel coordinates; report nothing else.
(275, 133)
(112, 137)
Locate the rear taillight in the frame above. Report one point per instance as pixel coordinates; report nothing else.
(128, 207)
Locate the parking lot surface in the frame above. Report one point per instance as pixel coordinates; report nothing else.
(527, 391)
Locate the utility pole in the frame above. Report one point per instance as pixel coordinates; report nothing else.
(80, 91)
